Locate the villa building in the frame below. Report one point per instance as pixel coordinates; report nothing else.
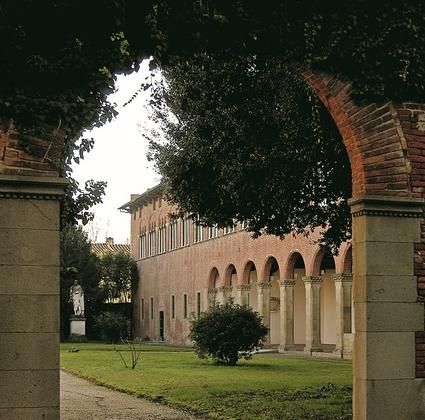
(302, 293)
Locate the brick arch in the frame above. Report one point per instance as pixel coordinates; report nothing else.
(347, 260)
(246, 270)
(213, 277)
(373, 137)
(265, 272)
(317, 261)
(290, 263)
(230, 270)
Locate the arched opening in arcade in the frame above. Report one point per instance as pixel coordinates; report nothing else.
(272, 276)
(325, 270)
(230, 282)
(296, 271)
(213, 285)
(250, 279)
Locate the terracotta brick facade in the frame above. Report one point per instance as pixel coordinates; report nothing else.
(199, 268)
(35, 159)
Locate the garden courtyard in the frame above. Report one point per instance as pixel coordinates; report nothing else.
(269, 386)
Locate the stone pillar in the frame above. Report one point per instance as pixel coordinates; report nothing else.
(29, 296)
(220, 296)
(386, 313)
(312, 307)
(227, 294)
(263, 305)
(286, 315)
(210, 298)
(343, 305)
(242, 294)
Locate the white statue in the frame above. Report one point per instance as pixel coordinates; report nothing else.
(77, 297)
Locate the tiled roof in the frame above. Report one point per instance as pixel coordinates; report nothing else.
(101, 249)
(153, 192)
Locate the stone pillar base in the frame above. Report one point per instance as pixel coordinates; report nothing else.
(78, 329)
(310, 350)
(282, 349)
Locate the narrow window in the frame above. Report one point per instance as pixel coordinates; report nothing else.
(185, 231)
(173, 235)
(151, 307)
(142, 308)
(198, 304)
(142, 250)
(173, 307)
(184, 306)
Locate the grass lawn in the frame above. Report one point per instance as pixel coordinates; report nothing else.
(266, 387)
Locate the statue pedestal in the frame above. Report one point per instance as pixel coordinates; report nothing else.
(77, 329)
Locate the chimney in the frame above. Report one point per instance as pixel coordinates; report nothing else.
(109, 241)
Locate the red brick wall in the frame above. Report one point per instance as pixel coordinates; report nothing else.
(372, 136)
(187, 269)
(37, 160)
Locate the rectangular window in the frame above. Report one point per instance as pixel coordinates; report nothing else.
(152, 243)
(229, 229)
(142, 308)
(199, 233)
(185, 223)
(152, 308)
(173, 307)
(173, 235)
(162, 240)
(142, 246)
(184, 306)
(140, 212)
(198, 304)
(212, 232)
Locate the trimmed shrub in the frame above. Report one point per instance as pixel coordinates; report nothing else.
(227, 333)
(112, 326)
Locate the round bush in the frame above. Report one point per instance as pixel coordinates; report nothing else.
(227, 333)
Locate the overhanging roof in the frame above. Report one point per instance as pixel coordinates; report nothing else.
(144, 198)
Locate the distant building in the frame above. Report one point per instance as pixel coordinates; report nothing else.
(102, 248)
(110, 248)
(302, 292)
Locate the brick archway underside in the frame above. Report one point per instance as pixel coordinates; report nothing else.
(386, 147)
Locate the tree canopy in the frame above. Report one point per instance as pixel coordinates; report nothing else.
(238, 145)
(60, 58)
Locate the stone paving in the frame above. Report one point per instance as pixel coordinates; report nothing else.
(81, 399)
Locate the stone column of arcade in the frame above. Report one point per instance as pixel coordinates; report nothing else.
(343, 283)
(286, 315)
(385, 308)
(242, 294)
(220, 295)
(312, 307)
(29, 296)
(263, 305)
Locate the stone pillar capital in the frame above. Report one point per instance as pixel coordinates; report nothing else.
(312, 280)
(212, 291)
(343, 277)
(264, 285)
(386, 206)
(287, 283)
(32, 187)
(243, 287)
(226, 289)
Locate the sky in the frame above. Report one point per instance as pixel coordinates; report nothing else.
(119, 157)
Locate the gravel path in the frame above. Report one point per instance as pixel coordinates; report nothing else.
(81, 399)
